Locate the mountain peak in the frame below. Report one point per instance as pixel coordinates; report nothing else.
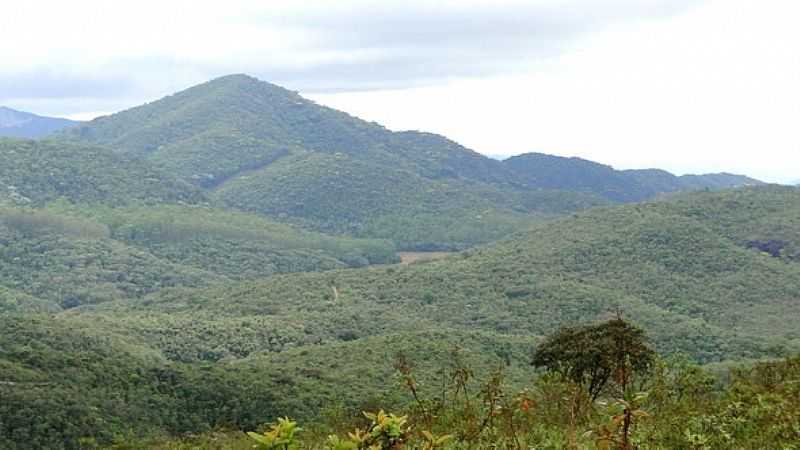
(236, 77)
(243, 81)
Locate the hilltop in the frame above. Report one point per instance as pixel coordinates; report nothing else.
(20, 124)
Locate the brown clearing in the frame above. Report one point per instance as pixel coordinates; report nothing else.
(412, 257)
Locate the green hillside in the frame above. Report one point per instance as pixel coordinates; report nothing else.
(233, 243)
(70, 261)
(318, 190)
(682, 268)
(36, 172)
(159, 275)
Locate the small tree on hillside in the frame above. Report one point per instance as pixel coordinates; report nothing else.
(594, 355)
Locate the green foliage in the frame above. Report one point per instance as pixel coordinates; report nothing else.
(593, 355)
(64, 382)
(280, 436)
(134, 305)
(385, 432)
(623, 415)
(71, 261)
(32, 223)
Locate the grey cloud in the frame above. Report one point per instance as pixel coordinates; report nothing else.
(51, 84)
(407, 44)
(413, 45)
(384, 25)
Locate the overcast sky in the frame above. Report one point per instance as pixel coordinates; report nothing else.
(684, 85)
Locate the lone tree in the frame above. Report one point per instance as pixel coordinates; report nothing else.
(594, 355)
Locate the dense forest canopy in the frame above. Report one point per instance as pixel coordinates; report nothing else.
(180, 272)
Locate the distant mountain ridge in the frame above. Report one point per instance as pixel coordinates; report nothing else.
(22, 124)
(540, 170)
(259, 147)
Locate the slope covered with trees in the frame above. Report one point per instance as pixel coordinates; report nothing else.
(344, 194)
(686, 270)
(36, 172)
(75, 255)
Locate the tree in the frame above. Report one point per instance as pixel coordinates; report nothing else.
(593, 355)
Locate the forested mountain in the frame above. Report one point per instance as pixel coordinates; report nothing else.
(21, 124)
(258, 147)
(216, 130)
(579, 175)
(712, 275)
(261, 148)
